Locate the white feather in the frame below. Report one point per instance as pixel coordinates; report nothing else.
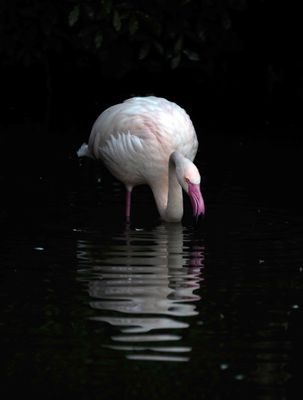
(84, 151)
(135, 140)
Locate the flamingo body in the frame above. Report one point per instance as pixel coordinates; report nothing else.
(140, 141)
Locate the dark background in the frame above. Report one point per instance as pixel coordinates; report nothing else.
(235, 65)
(232, 64)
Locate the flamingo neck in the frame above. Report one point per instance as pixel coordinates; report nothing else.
(168, 193)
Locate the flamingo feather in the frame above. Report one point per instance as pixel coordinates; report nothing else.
(149, 140)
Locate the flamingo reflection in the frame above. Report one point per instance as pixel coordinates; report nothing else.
(144, 284)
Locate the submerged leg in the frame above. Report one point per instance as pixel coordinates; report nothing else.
(128, 203)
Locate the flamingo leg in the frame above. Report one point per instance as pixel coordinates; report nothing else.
(128, 203)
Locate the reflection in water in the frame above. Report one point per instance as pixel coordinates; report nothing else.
(143, 283)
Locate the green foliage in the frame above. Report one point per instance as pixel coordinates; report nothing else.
(74, 15)
(30, 30)
(174, 33)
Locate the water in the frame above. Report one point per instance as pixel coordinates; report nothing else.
(143, 283)
(92, 308)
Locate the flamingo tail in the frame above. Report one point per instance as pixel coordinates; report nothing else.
(84, 151)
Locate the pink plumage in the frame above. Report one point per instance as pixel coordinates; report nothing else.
(149, 140)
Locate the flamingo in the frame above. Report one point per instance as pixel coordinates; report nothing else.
(149, 140)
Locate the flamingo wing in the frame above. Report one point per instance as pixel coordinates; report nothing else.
(135, 138)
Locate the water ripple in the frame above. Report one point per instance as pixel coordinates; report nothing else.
(144, 282)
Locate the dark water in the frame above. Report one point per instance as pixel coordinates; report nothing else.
(94, 309)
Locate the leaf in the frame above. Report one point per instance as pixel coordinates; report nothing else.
(116, 21)
(74, 15)
(175, 61)
(201, 34)
(191, 55)
(98, 40)
(144, 51)
(106, 7)
(158, 46)
(179, 44)
(133, 25)
(89, 12)
(238, 5)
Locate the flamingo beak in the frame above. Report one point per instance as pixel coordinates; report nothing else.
(196, 199)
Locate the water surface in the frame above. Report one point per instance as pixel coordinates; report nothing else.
(93, 308)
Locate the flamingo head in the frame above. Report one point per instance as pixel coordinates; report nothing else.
(189, 178)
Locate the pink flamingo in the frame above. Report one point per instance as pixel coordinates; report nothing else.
(149, 140)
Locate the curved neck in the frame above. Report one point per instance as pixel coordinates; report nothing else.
(168, 192)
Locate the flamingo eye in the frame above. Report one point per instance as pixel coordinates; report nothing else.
(187, 180)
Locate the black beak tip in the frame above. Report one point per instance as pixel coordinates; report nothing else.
(199, 218)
